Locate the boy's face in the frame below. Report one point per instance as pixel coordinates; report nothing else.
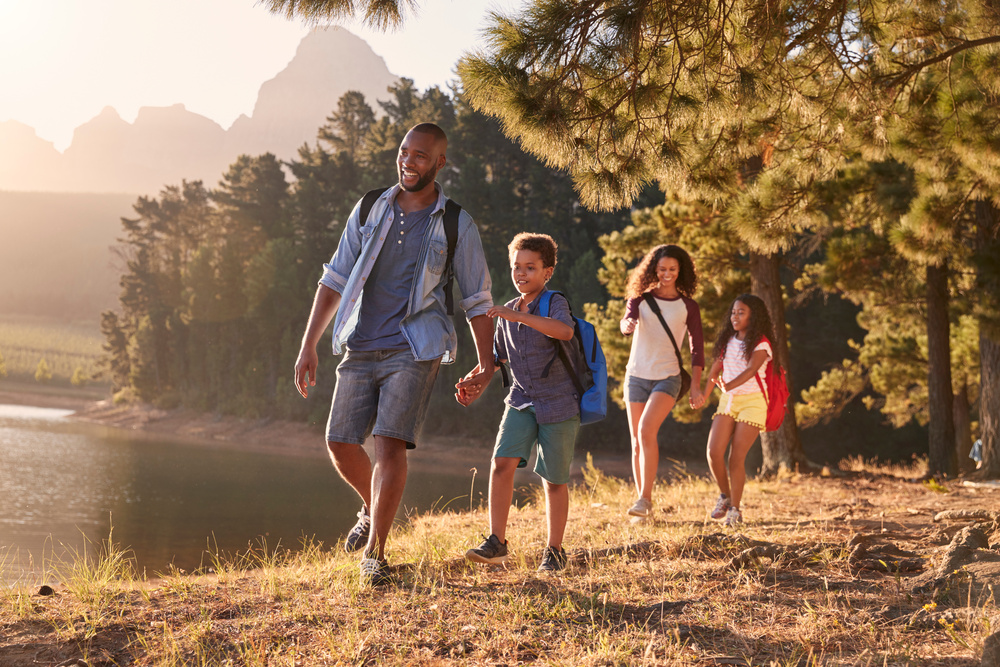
(529, 272)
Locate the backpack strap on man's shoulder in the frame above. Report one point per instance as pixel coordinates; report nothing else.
(451, 211)
(367, 202)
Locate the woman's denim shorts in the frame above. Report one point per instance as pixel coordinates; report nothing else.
(638, 390)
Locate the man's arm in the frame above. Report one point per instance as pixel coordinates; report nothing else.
(324, 309)
(472, 385)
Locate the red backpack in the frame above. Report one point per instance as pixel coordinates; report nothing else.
(775, 390)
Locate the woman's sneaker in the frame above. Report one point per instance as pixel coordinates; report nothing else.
(642, 507)
(492, 551)
(553, 560)
(358, 537)
(721, 507)
(734, 517)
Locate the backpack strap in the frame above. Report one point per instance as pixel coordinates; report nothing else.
(367, 202)
(451, 211)
(767, 369)
(543, 311)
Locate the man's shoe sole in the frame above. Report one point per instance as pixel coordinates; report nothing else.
(476, 558)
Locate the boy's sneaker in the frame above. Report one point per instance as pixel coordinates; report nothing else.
(553, 560)
(734, 517)
(642, 507)
(358, 537)
(721, 507)
(492, 551)
(375, 572)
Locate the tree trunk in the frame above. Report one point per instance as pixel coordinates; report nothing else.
(941, 446)
(987, 238)
(782, 448)
(963, 429)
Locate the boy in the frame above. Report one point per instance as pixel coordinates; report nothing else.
(542, 410)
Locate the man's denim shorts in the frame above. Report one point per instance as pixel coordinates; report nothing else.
(519, 431)
(384, 392)
(638, 390)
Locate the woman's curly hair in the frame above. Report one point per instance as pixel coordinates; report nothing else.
(643, 276)
(759, 327)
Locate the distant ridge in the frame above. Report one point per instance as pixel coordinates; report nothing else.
(167, 144)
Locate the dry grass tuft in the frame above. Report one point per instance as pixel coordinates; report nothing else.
(674, 590)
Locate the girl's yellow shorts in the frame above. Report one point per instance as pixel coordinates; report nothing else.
(748, 408)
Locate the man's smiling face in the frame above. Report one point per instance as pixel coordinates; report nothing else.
(419, 160)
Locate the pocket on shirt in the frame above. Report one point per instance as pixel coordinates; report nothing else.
(437, 255)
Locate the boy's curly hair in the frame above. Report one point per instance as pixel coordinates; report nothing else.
(643, 276)
(760, 326)
(543, 244)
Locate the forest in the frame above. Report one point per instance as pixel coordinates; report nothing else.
(219, 282)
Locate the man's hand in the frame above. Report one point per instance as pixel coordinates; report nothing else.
(305, 370)
(473, 384)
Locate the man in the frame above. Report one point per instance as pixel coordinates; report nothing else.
(388, 273)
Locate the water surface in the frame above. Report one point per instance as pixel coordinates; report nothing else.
(66, 486)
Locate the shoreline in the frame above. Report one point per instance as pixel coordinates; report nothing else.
(271, 436)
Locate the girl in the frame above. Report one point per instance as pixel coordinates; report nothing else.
(741, 350)
(664, 281)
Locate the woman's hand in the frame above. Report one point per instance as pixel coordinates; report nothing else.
(628, 325)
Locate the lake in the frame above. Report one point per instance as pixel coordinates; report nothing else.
(67, 485)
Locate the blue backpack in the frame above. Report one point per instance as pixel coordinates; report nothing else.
(584, 359)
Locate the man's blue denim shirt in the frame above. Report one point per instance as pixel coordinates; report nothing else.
(527, 352)
(426, 325)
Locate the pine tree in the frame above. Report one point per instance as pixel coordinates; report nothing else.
(42, 372)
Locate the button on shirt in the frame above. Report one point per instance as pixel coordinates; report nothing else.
(528, 352)
(427, 327)
(387, 289)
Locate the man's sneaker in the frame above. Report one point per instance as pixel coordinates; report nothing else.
(375, 572)
(553, 560)
(492, 551)
(358, 537)
(721, 507)
(734, 517)
(642, 507)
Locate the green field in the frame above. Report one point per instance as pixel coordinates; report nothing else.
(64, 346)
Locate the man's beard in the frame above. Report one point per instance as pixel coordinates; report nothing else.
(422, 181)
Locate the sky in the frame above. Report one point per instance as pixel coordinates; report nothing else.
(63, 61)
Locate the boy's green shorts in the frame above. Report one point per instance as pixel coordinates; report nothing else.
(519, 432)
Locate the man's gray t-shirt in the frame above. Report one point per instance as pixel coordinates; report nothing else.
(387, 290)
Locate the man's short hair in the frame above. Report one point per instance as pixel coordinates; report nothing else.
(543, 244)
(431, 129)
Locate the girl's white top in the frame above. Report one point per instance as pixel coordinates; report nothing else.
(735, 363)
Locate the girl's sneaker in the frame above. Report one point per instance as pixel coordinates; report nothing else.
(642, 507)
(721, 507)
(734, 517)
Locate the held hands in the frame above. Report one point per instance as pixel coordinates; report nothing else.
(473, 384)
(628, 325)
(697, 398)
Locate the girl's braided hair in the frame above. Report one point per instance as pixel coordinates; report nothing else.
(643, 276)
(760, 326)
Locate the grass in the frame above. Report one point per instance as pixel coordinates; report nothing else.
(675, 590)
(64, 346)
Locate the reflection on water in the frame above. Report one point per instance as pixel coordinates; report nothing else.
(63, 483)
